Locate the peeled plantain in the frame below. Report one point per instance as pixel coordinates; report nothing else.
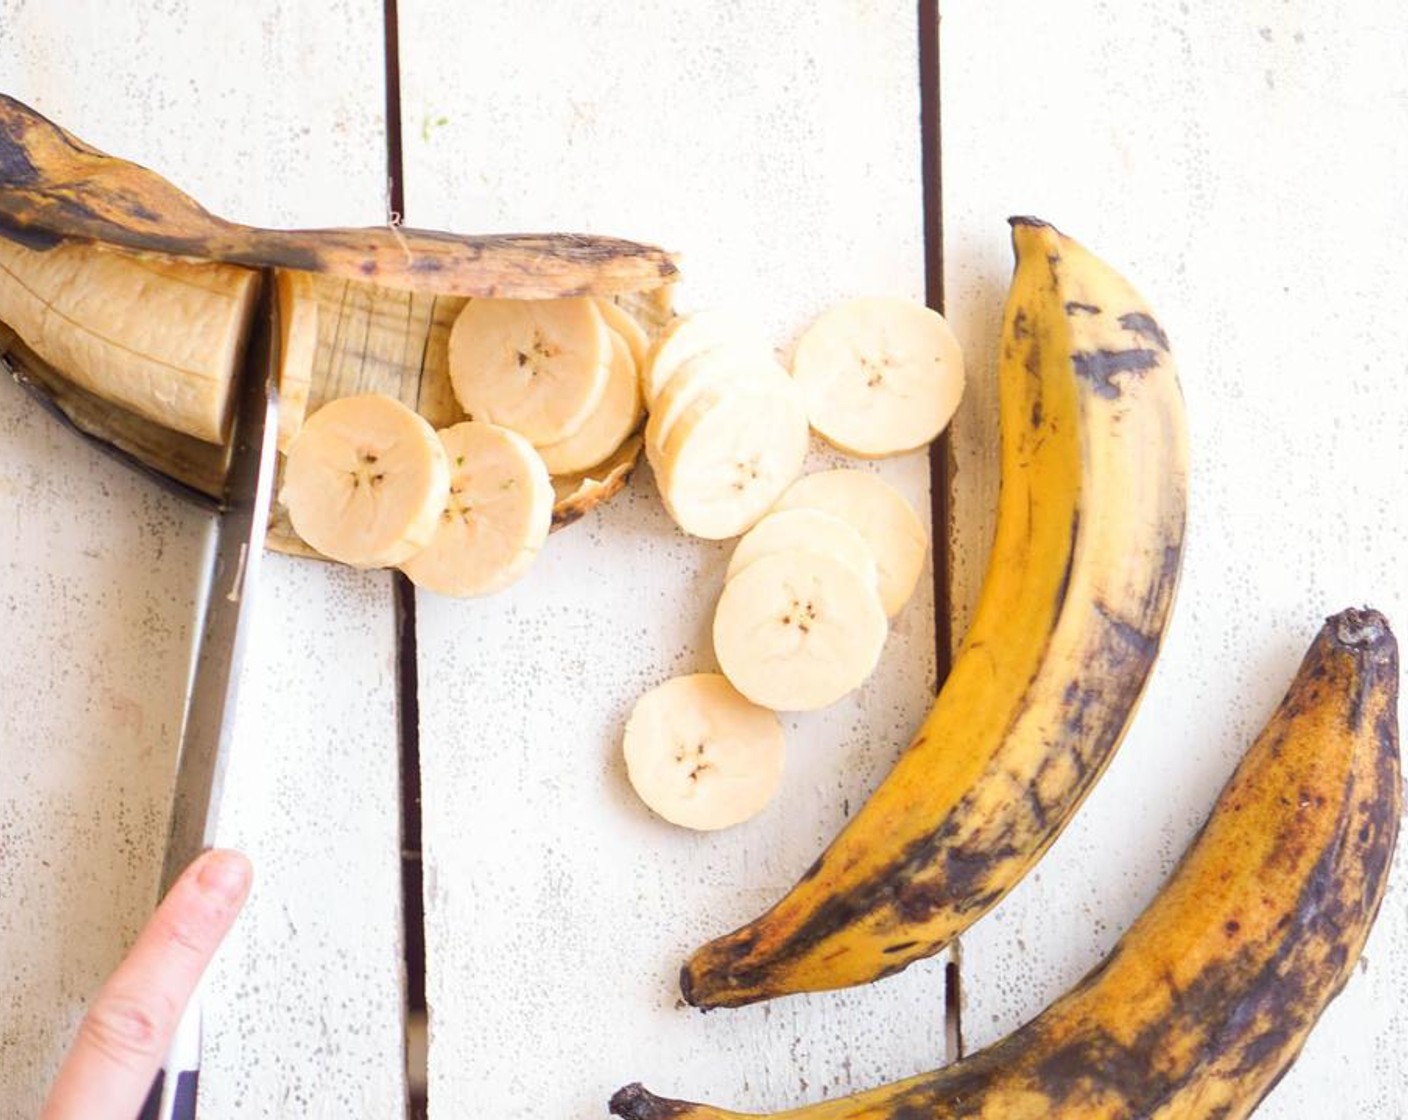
(126, 304)
(1207, 999)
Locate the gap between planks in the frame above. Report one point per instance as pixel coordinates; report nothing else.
(941, 453)
(416, 1022)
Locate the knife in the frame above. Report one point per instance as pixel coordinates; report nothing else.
(241, 521)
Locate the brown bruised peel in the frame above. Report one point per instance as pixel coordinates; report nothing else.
(55, 187)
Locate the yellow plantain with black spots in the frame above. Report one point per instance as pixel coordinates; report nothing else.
(1208, 998)
(1080, 583)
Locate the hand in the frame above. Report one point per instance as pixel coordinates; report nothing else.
(123, 1038)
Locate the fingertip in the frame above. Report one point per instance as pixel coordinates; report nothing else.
(224, 875)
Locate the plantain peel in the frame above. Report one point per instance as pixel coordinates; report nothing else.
(1079, 588)
(1207, 999)
(55, 187)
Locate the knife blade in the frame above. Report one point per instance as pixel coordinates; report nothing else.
(242, 522)
(207, 728)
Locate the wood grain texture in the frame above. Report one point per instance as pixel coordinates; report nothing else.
(270, 113)
(775, 149)
(1241, 165)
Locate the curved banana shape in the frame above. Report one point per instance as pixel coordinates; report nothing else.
(54, 187)
(1081, 579)
(1207, 999)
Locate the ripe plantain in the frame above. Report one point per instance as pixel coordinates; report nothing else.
(1082, 576)
(1207, 999)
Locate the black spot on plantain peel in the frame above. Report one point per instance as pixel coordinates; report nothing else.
(1101, 367)
(1144, 325)
(53, 186)
(1205, 1002)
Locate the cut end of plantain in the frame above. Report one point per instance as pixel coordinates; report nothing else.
(1363, 629)
(636, 1102)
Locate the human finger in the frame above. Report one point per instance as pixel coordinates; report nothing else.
(123, 1037)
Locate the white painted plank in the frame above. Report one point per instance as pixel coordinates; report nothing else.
(308, 995)
(268, 112)
(98, 576)
(1246, 165)
(776, 148)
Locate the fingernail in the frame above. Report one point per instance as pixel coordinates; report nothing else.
(224, 875)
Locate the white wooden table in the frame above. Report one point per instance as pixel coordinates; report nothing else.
(1246, 165)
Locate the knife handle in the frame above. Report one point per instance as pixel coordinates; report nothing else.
(173, 1093)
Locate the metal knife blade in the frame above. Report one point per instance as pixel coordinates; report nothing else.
(242, 522)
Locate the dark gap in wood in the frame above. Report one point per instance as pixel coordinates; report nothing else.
(953, 1007)
(941, 453)
(407, 671)
(396, 194)
(412, 877)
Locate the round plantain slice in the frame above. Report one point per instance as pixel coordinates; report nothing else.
(796, 630)
(497, 516)
(880, 514)
(538, 367)
(880, 376)
(365, 481)
(701, 755)
(730, 456)
(808, 529)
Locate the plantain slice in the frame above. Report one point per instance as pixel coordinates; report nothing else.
(386, 297)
